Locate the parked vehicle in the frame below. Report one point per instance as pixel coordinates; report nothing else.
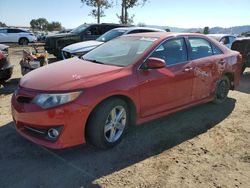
(131, 79)
(224, 39)
(19, 36)
(33, 60)
(242, 45)
(6, 68)
(55, 43)
(82, 48)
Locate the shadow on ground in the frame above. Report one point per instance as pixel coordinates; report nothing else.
(24, 164)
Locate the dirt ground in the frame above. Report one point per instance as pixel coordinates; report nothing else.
(204, 146)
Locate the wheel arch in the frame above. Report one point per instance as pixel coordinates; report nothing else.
(131, 106)
(230, 76)
(23, 38)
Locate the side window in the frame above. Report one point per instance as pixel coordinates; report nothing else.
(173, 51)
(105, 28)
(95, 30)
(200, 48)
(225, 40)
(140, 31)
(231, 39)
(3, 30)
(13, 31)
(216, 50)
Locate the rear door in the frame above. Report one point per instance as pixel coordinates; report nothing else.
(170, 87)
(13, 35)
(205, 60)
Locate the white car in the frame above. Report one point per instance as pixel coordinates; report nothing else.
(225, 39)
(19, 36)
(82, 48)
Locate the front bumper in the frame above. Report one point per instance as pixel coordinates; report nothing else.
(30, 119)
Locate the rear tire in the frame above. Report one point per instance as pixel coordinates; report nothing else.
(23, 41)
(221, 90)
(107, 123)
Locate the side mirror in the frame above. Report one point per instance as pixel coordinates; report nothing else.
(88, 33)
(154, 63)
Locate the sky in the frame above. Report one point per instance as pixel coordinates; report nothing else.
(173, 13)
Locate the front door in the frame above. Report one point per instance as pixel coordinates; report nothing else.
(170, 87)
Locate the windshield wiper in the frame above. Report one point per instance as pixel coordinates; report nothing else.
(93, 60)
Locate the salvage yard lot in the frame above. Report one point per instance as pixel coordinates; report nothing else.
(204, 146)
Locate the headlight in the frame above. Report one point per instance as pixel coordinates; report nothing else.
(51, 100)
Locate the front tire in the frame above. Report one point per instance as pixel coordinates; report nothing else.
(221, 90)
(107, 123)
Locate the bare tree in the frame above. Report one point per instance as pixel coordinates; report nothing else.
(125, 5)
(98, 5)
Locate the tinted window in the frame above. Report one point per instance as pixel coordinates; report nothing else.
(13, 31)
(140, 31)
(95, 30)
(105, 28)
(200, 48)
(173, 51)
(3, 30)
(79, 29)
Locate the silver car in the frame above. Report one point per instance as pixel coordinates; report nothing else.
(225, 39)
(82, 48)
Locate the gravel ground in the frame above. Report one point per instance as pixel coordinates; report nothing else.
(204, 146)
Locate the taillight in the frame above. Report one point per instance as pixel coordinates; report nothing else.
(239, 58)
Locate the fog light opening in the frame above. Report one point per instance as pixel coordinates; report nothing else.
(53, 133)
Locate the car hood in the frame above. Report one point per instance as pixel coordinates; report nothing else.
(70, 74)
(82, 46)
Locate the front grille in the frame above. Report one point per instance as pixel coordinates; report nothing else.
(22, 99)
(66, 54)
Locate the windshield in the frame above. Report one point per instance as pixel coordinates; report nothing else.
(79, 29)
(121, 51)
(110, 35)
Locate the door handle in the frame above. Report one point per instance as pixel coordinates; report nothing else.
(222, 62)
(188, 69)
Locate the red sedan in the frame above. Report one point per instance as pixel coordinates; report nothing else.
(126, 81)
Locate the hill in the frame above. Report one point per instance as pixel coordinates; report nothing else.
(236, 30)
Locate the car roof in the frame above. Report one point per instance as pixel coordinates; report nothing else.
(136, 28)
(165, 34)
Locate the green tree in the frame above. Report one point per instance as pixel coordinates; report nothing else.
(2, 24)
(54, 26)
(141, 24)
(206, 30)
(125, 5)
(39, 24)
(167, 30)
(98, 5)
